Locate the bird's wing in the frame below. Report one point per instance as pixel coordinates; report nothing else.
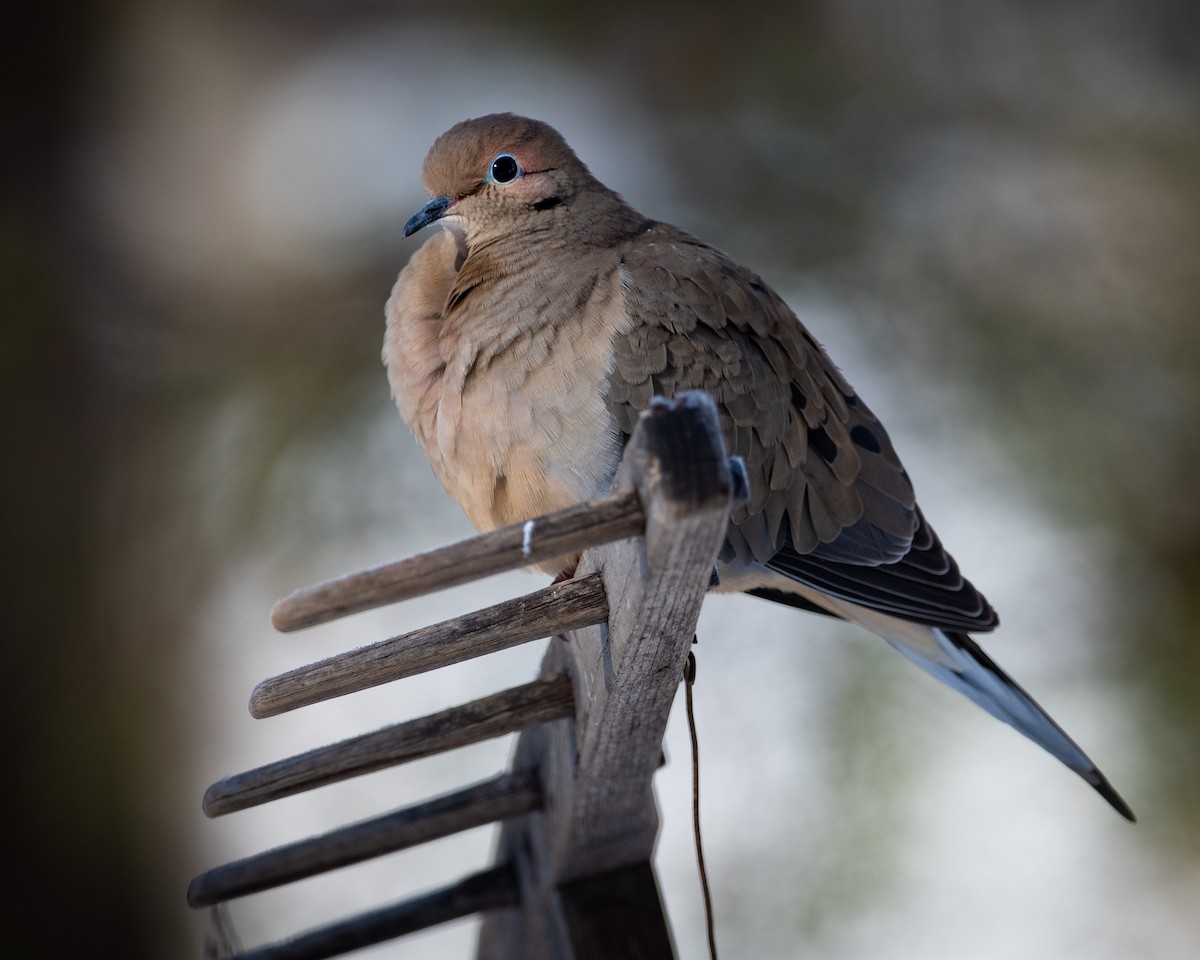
(924, 586)
(831, 505)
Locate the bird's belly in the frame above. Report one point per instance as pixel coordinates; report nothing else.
(508, 454)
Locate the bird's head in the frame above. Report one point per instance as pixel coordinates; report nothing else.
(495, 173)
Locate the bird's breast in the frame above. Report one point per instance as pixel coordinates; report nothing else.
(521, 425)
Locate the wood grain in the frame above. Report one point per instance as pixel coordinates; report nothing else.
(484, 719)
(496, 799)
(488, 890)
(555, 609)
(510, 548)
(599, 817)
(627, 674)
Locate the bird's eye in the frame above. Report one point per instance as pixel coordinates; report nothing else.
(505, 169)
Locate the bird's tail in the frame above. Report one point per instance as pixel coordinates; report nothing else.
(958, 661)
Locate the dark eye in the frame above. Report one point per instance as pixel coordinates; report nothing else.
(505, 169)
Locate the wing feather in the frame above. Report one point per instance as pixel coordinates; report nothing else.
(831, 505)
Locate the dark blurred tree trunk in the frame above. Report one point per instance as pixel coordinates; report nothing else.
(70, 824)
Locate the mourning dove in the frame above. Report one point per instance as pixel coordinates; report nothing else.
(523, 342)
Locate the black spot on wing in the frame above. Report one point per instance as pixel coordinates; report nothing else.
(864, 438)
(819, 440)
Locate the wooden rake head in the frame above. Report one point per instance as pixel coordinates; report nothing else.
(576, 804)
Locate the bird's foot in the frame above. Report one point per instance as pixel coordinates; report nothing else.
(563, 575)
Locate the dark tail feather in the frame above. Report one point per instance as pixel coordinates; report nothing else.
(966, 668)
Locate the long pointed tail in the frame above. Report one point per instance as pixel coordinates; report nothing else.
(959, 662)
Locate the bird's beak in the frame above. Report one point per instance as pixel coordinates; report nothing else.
(435, 209)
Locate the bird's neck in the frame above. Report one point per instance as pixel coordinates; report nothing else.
(593, 220)
(602, 219)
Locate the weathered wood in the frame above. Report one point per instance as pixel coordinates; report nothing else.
(573, 875)
(504, 796)
(627, 671)
(599, 815)
(509, 548)
(536, 928)
(555, 609)
(487, 718)
(489, 890)
(616, 914)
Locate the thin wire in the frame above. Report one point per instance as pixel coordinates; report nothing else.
(689, 676)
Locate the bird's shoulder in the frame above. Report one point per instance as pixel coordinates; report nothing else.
(677, 279)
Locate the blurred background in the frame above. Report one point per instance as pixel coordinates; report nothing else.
(988, 211)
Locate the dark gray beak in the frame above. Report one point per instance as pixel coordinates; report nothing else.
(435, 209)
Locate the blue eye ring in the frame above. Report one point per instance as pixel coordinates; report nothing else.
(504, 169)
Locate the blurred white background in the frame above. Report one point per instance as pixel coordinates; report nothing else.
(990, 214)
